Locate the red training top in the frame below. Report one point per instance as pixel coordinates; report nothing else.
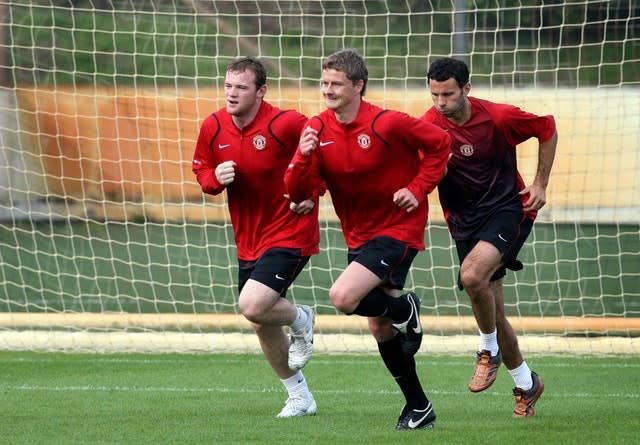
(364, 163)
(260, 213)
(482, 175)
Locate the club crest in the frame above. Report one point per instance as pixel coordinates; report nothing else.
(364, 140)
(466, 150)
(259, 142)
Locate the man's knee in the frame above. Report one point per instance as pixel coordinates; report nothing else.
(472, 280)
(254, 307)
(342, 300)
(250, 310)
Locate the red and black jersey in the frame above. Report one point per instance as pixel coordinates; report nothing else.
(364, 163)
(482, 175)
(260, 213)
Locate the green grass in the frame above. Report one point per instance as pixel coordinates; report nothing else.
(57, 398)
(571, 269)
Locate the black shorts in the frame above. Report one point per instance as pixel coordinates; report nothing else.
(386, 257)
(276, 268)
(507, 231)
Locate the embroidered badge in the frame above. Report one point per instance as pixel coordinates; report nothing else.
(364, 140)
(259, 142)
(466, 150)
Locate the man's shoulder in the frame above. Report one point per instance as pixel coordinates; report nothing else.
(371, 110)
(216, 120)
(493, 108)
(273, 111)
(387, 119)
(319, 121)
(431, 115)
(220, 117)
(218, 114)
(325, 115)
(276, 117)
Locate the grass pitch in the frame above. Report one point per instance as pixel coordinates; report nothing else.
(58, 398)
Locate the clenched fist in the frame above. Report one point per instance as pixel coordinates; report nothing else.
(226, 172)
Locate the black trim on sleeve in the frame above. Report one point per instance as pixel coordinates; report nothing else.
(373, 123)
(216, 133)
(273, 135)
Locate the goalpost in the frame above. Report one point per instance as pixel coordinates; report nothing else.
(107, 243)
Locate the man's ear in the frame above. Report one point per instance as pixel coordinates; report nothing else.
(262, 91)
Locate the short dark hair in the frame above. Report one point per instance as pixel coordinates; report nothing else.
(351, 63)
(446, 67)
(250, 64)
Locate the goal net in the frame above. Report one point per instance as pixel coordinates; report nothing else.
(107, 242)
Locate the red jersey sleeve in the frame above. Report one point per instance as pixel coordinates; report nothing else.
(519, 125)
(302, 178)
(203, 164)
(286, 128)
(433, 143)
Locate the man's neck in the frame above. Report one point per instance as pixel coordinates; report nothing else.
(349, 114)
(464, 115)
(245, 119)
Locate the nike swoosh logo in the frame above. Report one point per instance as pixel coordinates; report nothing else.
(413, 424)
(384, 263)
(323, 143)
(414, 310)
(279, 277)
(418, 328)
(502, 237)
(223, 145)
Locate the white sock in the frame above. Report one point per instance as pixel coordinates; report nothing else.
(296, 385)
(522, 376)
(489, 342)
(301, 320)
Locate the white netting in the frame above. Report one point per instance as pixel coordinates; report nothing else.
(105, 235)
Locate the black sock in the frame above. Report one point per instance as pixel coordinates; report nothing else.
(378, 303)
(403, 370)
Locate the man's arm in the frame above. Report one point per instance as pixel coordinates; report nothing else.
(203, 163)
(538, 189)
(435, 146)
(302, 180)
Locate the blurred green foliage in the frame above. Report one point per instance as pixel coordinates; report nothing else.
(570, 43)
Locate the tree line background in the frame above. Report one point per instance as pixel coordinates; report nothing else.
(567, 43)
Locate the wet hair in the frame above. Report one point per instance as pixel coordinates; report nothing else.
(351, 63)
(250, 64)
(446, 67)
